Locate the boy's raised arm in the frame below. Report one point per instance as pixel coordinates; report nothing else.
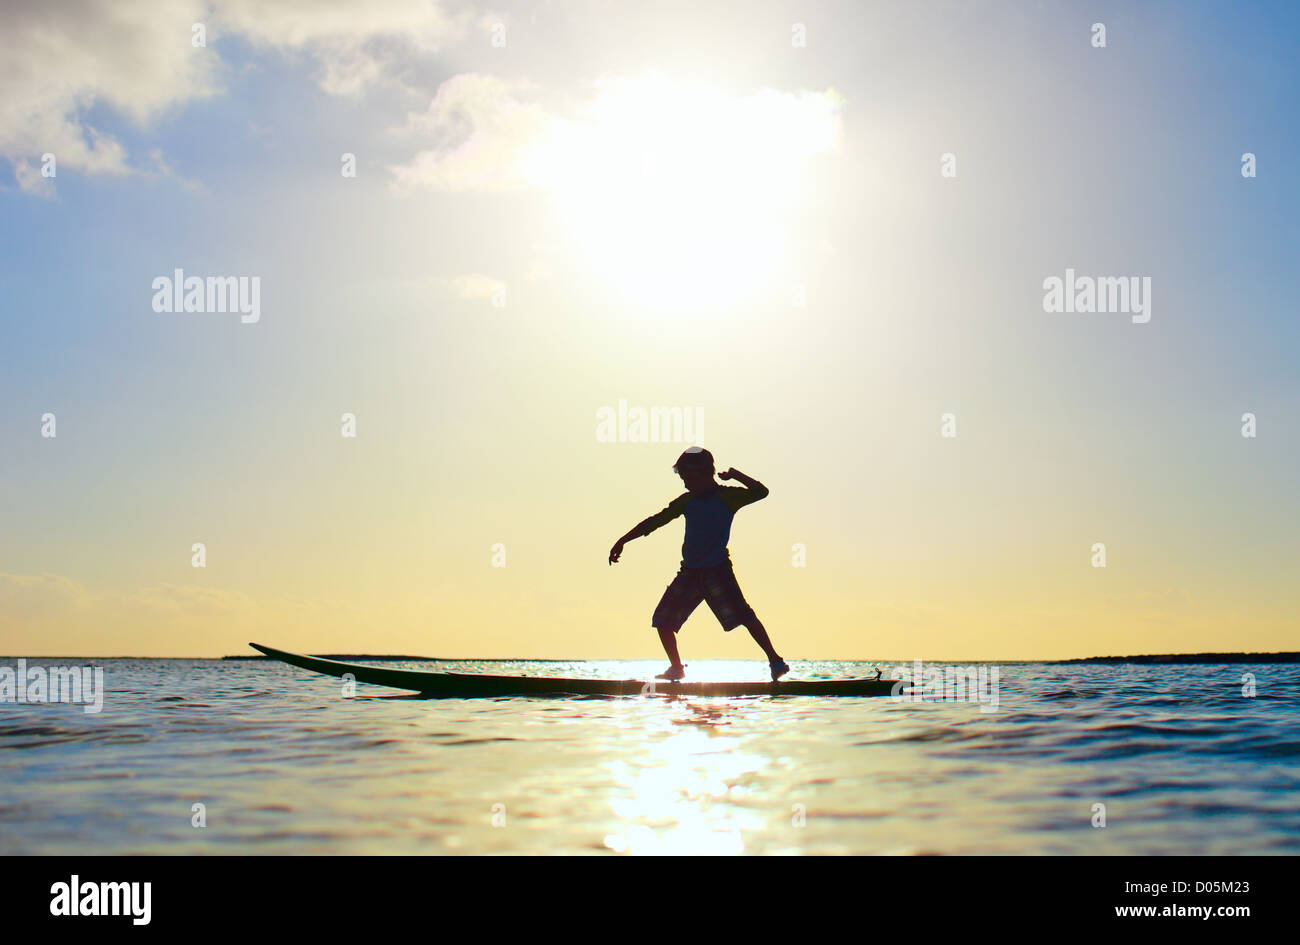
(750, 483)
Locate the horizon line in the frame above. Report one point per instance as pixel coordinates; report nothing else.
(1283, 656)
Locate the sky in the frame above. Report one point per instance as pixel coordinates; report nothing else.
(823, 231)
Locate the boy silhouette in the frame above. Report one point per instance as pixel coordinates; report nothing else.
(705, 572)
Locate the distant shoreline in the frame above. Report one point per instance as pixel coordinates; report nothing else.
(1151, 658)
(1188, 658)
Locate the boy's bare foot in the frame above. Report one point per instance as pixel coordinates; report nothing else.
(779, 669)
(673, 673)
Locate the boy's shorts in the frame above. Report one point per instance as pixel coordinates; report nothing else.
(716, 584)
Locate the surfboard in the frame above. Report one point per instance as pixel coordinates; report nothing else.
(475, 685)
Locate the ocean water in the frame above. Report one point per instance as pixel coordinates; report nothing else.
(1182, 761)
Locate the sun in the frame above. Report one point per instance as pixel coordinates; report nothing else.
(678, 196)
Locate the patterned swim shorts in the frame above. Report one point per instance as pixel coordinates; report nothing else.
(716, 584)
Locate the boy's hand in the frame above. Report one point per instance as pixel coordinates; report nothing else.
(615, 552)
(757, 489)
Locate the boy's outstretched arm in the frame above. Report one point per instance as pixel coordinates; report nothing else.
(645, 527)
(617, 550)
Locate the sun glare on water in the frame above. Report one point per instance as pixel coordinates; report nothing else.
(681, 801)
(678, 196)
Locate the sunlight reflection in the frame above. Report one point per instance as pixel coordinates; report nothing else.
(688, 796)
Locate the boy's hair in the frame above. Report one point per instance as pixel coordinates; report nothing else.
(695, 457)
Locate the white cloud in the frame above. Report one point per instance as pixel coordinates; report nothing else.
(474, 286)
(675, 194)
(58, 60)
(31, 180)
(355, 44)
(484, 133)
(491, 134)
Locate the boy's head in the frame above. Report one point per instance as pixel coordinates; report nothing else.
(695, 466)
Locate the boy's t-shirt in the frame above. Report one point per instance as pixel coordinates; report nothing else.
(708, 522)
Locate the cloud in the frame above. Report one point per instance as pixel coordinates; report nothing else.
(355, 44)
(58, 61)
(66, 68)
(52, 614)
(491, 134)
(31, 180)
(188, 599)
(474, 286)
(35, 598)
(483, 129)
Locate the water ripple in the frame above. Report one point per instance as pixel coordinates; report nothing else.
(281, 764)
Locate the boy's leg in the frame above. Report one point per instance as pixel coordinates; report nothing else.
(669, 640)
(759, 633)
(727, 600)
(679, 600)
